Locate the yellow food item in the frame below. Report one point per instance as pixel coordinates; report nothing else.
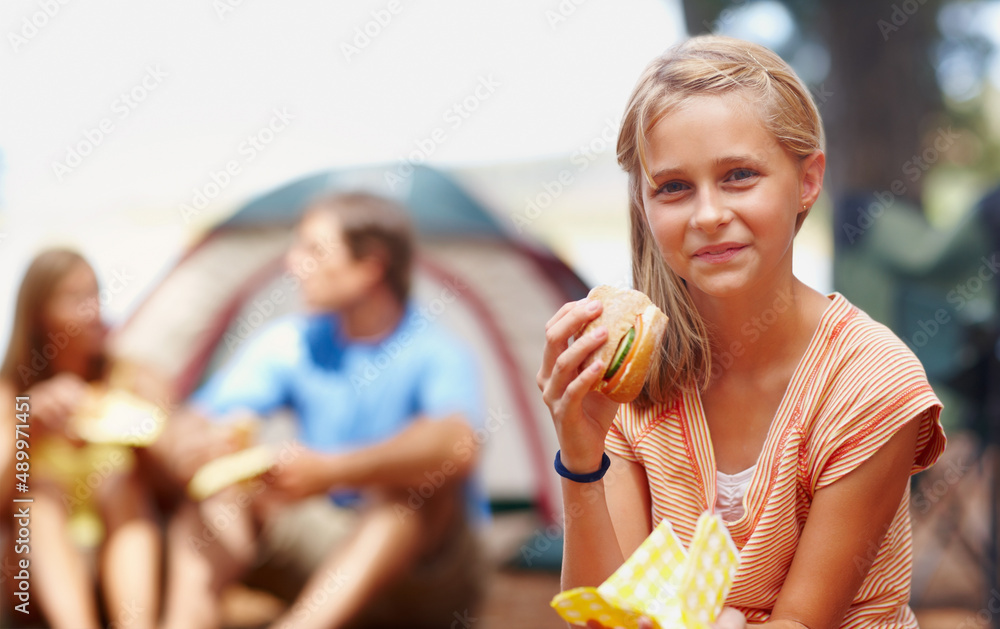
(244, 431)
(230, 469)
(115, 416)
(660, 580)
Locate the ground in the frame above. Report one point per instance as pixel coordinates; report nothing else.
(950, 503)
(950, 585)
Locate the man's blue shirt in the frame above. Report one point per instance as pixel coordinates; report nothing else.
(347, 394)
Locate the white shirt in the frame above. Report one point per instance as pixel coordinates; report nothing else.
(729, 492)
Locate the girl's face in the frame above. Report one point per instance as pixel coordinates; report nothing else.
(725, 196)
(73, 311)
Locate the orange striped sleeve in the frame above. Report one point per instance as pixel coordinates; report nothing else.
(882, 388)
(616, 442)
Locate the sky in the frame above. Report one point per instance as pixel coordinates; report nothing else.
(128, 128)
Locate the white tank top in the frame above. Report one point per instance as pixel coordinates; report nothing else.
(729, 492)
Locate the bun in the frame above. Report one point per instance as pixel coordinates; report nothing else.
(116, 417)
(625, 309)
(230, 469)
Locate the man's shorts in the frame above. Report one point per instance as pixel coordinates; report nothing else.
(438, 590)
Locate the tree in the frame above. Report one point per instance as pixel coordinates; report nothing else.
(883, 99)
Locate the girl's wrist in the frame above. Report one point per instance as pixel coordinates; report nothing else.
(581, 464)
(585, 477)
(580, 454)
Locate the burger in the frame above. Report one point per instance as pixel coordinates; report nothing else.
(635, 329)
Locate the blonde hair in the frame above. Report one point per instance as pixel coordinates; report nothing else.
(709, 65)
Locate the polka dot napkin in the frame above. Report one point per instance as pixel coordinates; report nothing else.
(661, 581)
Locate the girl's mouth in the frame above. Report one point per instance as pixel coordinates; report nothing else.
(717, 254)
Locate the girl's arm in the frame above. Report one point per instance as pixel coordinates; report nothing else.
(582, 419)
(617, 506)
(847, 520)
(630, 503)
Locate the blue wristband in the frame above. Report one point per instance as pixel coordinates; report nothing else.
(584, 478)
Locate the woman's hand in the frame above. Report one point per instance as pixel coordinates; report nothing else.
(730, 618)
(582, 417)
(54, 401)
(190, 441)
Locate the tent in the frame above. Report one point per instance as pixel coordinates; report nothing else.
(489, 286)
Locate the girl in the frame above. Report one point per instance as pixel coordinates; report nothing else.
(791, 413)
(56, 350)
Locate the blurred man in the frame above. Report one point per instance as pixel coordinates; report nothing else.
(385, 402)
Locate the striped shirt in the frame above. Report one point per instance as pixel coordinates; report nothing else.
(856, 385)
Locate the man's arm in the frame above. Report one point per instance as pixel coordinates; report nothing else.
(440, 451)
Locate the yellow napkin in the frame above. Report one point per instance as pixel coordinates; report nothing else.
(661, 581)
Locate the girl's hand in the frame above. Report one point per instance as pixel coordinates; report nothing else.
(730, 618)
(193, 442)
(54, 401)
(582, 417)
(644, 623)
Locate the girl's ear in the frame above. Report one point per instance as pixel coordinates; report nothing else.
(811, 171)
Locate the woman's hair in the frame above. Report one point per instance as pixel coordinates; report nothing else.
(375, 226)
(29, 351)
(702, 66)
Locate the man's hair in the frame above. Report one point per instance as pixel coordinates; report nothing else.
(375, 226)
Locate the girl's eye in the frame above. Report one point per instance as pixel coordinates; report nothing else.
(671, 187)
(742, 174)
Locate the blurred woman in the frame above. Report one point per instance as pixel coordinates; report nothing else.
(55, 354)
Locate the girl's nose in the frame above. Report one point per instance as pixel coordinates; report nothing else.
(709, 215)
